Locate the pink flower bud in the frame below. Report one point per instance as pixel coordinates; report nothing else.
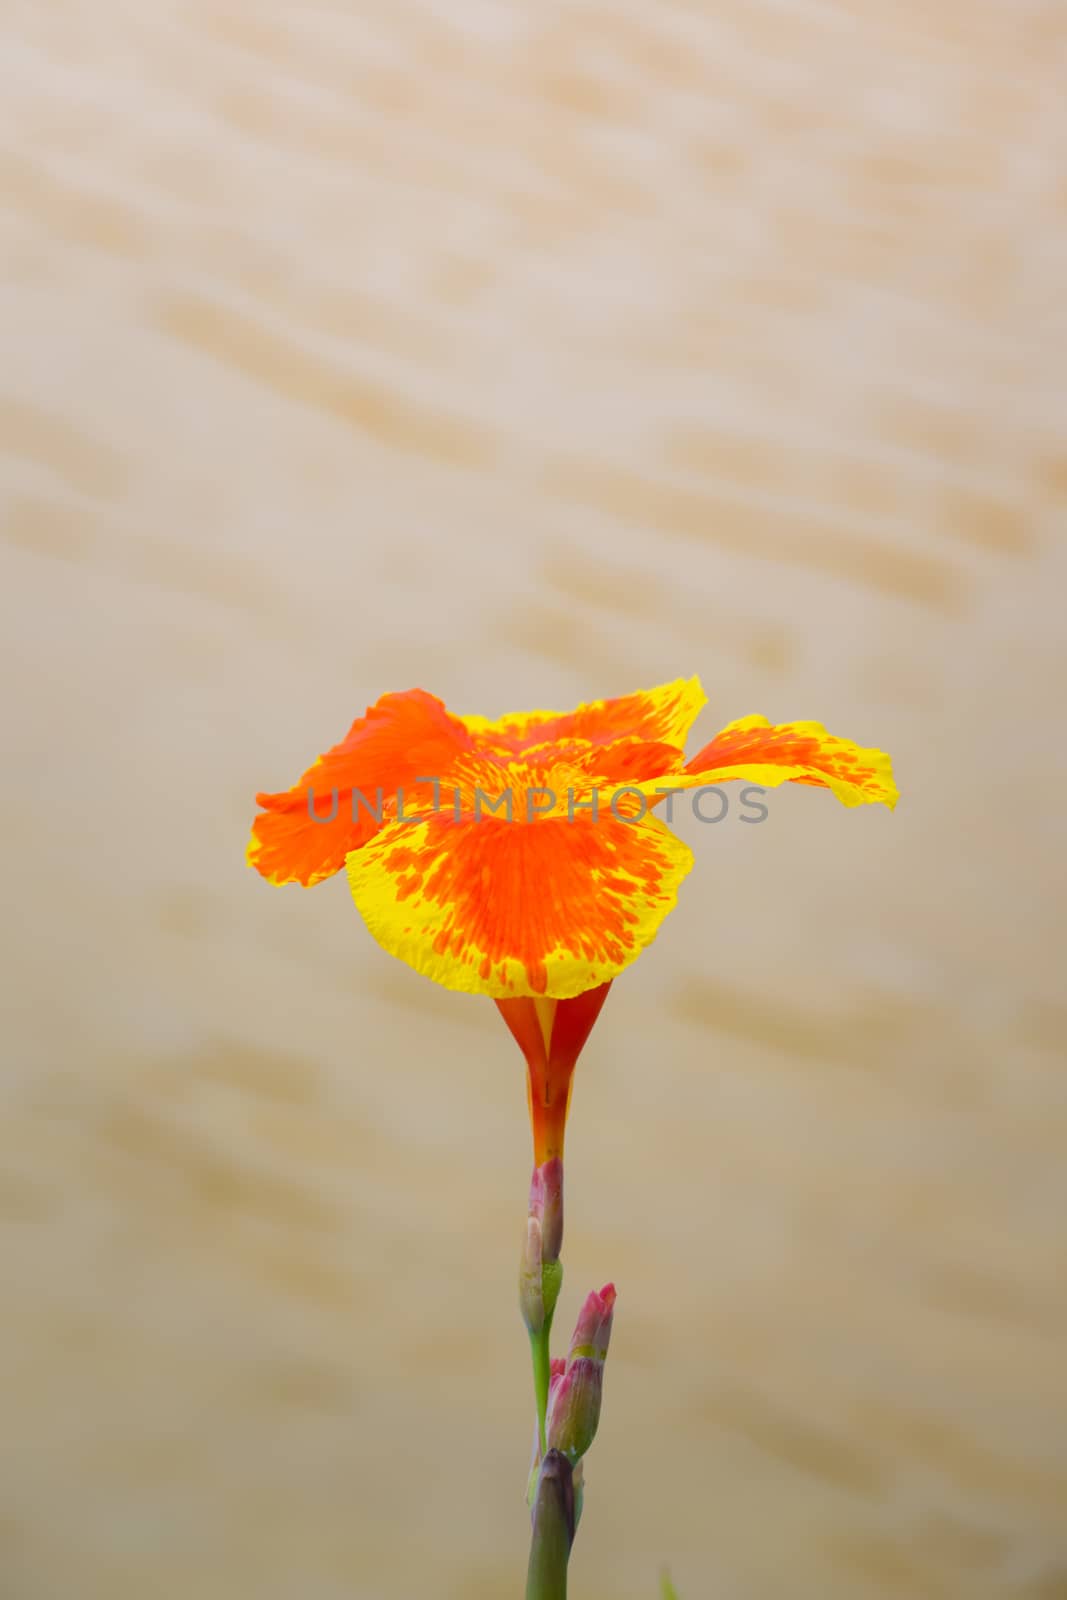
(546, 1203)
(574, 1405)
(592, 1331)
(539, 1271)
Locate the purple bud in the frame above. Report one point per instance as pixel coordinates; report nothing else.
(553, 1528)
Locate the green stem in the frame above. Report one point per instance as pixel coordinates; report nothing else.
(551, 1282)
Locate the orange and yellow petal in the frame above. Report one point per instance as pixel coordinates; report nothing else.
(631, 761)
(597, 765)
(304, 833)
(563, 772)
(287, 846)
(663, 715)
(549, 908)
(792, 752)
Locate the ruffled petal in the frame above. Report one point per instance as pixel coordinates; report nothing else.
(305, 833)
(789, 752)
(661, 716)
(553, 907)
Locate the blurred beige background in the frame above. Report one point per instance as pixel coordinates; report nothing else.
(529, 353)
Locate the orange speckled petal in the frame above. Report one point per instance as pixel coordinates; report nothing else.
(402, 736)
(549, 908)
(593, 764)
(791, 752)
(663, 715)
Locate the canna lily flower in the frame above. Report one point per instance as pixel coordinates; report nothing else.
(520, 859)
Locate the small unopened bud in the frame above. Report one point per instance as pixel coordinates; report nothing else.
(575, 1406)
(572, 1423)
(540, 1273)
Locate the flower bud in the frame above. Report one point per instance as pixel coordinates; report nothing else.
(574, 1411)
(572, 1423)
(592, 1331)
(540, 1273)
